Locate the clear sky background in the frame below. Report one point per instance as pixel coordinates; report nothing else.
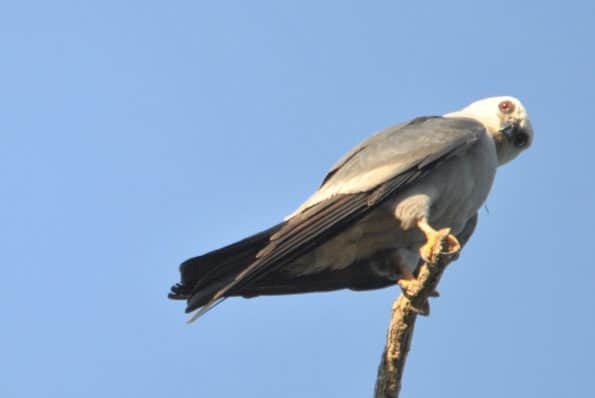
(136, 134)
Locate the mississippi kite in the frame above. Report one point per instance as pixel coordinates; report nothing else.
(379, 212)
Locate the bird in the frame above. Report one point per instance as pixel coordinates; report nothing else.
(380, 212)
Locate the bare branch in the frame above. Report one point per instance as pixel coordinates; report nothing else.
(412, 302)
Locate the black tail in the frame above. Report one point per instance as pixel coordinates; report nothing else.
(203, 276)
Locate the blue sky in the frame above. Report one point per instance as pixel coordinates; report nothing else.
(136, 134)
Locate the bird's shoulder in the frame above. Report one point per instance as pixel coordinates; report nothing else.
(392, 151)
(402, 144)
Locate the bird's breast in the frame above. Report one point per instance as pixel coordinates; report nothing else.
(464, 183)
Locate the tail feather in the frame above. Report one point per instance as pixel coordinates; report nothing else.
(204, 275)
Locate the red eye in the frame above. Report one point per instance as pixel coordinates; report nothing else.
(506, 106)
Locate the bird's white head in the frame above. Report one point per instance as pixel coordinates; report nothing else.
(506, 120)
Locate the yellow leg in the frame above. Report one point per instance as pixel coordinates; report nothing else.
(438, 242)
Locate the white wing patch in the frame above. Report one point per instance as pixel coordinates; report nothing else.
(361, 183)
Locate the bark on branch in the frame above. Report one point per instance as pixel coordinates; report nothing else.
(412, 302)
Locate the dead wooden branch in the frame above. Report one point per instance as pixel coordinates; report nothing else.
(412, 302)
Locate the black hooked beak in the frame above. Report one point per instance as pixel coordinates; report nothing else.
(513, 131)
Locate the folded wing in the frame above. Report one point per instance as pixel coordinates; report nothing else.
(376, 169)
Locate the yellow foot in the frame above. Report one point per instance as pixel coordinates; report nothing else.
(410, 283)
(407, 283)
(438, 242)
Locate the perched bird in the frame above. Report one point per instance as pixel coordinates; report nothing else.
(380, 211)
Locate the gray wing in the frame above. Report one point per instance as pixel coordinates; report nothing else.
(391, 152)
(377, 137)
(379, 167)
